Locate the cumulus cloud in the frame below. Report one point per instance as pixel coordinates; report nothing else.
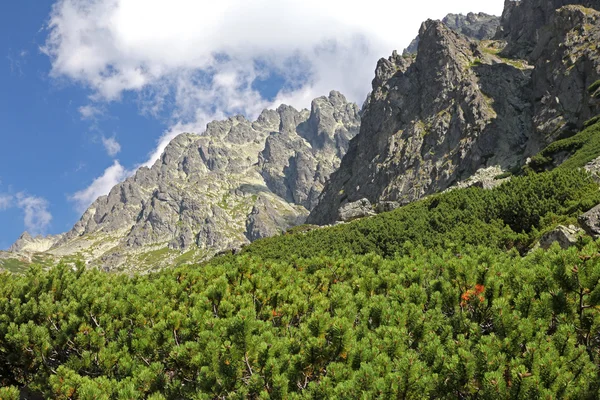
(36, 214)
(111, 146)
(197, 60)
(100, 186)
(114, 46)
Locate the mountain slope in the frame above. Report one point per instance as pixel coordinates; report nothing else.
(237, 182)
(462, 106)
(422, 302)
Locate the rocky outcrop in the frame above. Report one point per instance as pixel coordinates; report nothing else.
(590, 222)
(565, 237)
(358, 209)
(432, 122)
(479, 26)
(485, 178)
(462, 106)
(239, 181)
(28, 244)
(567, 61)
(299, 158)
(522, 22)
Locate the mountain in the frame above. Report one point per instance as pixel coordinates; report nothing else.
(237, 182)
(480, 26)
(466, 288)
(28, 244)
(462, 107)
(467, 109)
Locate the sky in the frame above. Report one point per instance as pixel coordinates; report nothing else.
(90, 90)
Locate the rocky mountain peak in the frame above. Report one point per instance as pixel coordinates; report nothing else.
(463, 105)
(29, 244)
(238, 181)
(479, 26)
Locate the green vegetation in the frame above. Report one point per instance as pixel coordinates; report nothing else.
(582, 148)
(503, 175)
(475, 63)
(14, 265)
(519, 64)
(432, 300)
(511, 215)
(430, 324)
(594, 87)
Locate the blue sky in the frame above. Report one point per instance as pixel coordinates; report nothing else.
(91, 89)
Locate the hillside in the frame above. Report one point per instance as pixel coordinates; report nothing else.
(444, 309)
(442, 243)
(462, 106)
(236, 182)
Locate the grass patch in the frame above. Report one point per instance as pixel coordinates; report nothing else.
(154, 257)
(475, 63)
(186, 258)
(503, 175)
(594, 86)
(15, 265)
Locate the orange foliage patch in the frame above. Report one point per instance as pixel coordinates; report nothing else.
(476, 292)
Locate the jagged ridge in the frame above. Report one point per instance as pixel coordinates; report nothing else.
(237, 182)
(462, 105)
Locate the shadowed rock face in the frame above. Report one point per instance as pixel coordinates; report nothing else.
(461, 105)
(237, 182)
(523, 20)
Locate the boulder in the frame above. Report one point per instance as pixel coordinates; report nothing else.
(563, 235)
(590, 222)
(387, 206)
(358, 209)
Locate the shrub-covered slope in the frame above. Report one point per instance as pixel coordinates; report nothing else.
(423, 302)
(511, 215)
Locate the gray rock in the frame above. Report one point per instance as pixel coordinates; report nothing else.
(523, 20)
(296, 163)
(565, 236)
(590, 222)
(478, 26)
(264, 221)
(237, 182)
(485, 178)
(593, 167)
(431, 122)
(434, 120)
(358, 209)
(28, 244)
(387, 206)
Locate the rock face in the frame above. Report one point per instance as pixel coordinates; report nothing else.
(478, 26)
(462, 106)
(523, 22)
(237, 182)
(28, 244)
(590, 222)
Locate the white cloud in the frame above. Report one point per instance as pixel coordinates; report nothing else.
(89, 111)
(6, 202)
(200, 59)
(111, 146)
(100, 186)
(36, 214)
(119, 45)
